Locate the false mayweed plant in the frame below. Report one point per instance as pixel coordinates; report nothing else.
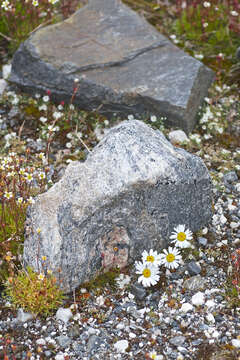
(21, 178)
(209, 30)
(233, 283)
(170, 258)
(62, 125)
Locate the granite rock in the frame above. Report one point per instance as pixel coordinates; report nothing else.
(129, 194)
(123, 64)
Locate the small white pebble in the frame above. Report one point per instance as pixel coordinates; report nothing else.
(215, 334)
(205, 231)
(64, 314)
(120, 326)
(121, 346)
(100, 300)
(59, 357)
(198, 299)
(210, 304)
(237, 187)
(131, 296)
(223, 219)
(236, 343)
(132, 335)
(41, 342)
(186, 307)
(210, 318)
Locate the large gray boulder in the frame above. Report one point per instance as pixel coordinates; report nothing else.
(129, 194)
(125, 66)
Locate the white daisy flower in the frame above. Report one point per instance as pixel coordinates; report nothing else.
(57, 115)
(171, 258)
(41, 156)
(15, 100)
(153, 355)
(22, 171)
(42, 107)
(46, 98)
(43, 119)
(153, 118)
(68, 145)
(41, 276)
(28, 177)
(206, 4)
(41, 175)
(149, 273)
(151, 257)
(180, 237)
(8, 195)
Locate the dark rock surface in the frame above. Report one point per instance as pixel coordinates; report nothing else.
(123, 64)
(127, 197)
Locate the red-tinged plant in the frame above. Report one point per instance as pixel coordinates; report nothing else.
(236, 270)
(210, 28)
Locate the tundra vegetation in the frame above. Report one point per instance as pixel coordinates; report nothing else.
(39, 138)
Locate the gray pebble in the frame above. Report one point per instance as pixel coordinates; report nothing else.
(74, 331)
(193, 268)
(63, 340)
(177, 340)
(48, 353)
(197, 342)
(202, 241)
(230, 177)
(194, 283)
(138, 291)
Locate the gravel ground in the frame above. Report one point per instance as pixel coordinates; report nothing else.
(188, 315)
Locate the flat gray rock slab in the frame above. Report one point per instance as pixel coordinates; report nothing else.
(125, 66)
(127, 197)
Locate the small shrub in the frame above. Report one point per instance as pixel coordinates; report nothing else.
(36, 293)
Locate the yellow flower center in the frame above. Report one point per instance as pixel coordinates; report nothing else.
(146, 273)
(170, 257)
(150, 258)
(181, 236)
(153, 356)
